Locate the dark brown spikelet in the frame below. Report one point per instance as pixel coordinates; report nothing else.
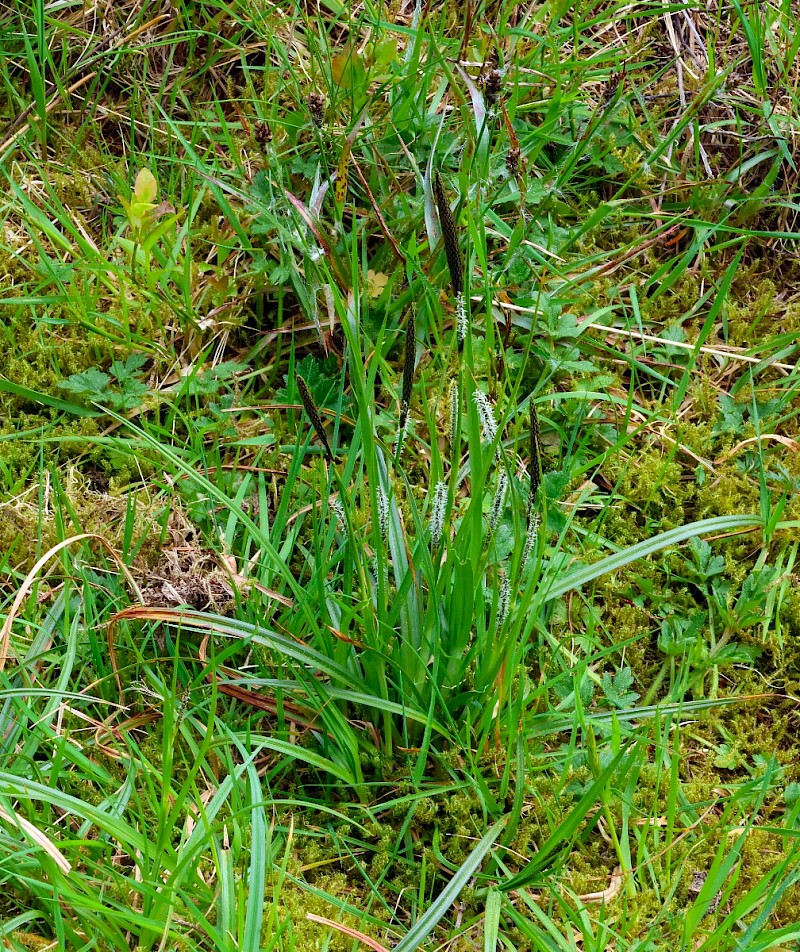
(262, 134)
(535, 466)
(313, 414)
(513, 159)
(316, 106)
(408, 369)
(450, 236)
(493, 85)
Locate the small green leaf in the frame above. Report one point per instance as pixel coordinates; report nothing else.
(385, 51)
(129, 397)
(727, 758)
(616, 688)
(732, 416)
(92, 383)
(679, 633)
(146, 187)
(322, 378)
(125, 370)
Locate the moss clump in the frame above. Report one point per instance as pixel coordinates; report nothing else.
(294, 904)
(27, 529)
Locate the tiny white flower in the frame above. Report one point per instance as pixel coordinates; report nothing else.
(486, 416)
(462, 318)
(530, 539)
(436, 523)
(338, 509)
(402, 433)
(380, 570)
(503, 601)
(498, 502)
(383, 514)
(453, 412)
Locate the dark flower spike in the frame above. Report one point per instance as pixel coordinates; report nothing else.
(313, 415)
(454, 262)
(408, 370)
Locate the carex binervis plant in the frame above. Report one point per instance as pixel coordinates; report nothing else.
(399, 476)
(431, 569)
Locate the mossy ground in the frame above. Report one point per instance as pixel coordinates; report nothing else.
(692, 415)
(653, 484)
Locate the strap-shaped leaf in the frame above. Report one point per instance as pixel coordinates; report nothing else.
(427, 923)
(588, 573)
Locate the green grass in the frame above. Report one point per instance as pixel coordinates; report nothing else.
(283, 670)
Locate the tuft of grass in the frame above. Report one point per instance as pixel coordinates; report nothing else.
(514, 668)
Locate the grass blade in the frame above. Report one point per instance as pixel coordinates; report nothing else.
(491, 920)
(427, 923)
(588, 573)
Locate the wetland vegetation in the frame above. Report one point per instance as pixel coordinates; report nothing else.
(398, 476)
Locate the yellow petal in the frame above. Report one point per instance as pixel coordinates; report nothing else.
(376, 282)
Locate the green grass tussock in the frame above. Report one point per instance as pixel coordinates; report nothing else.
(398, 477)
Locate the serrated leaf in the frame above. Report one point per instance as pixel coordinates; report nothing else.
(89, 383)
(322, 379)
(727, 758)
(568, 325)
(679, 634)
(131, 396)
(125, 370)
(616, 688)
(732, 416)
(212, 380)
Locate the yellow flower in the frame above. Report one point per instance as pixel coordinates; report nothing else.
(376, 283)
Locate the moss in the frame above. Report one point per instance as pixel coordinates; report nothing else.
(656, 489)
(727, 493)
(294, 904)
(27, 530)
